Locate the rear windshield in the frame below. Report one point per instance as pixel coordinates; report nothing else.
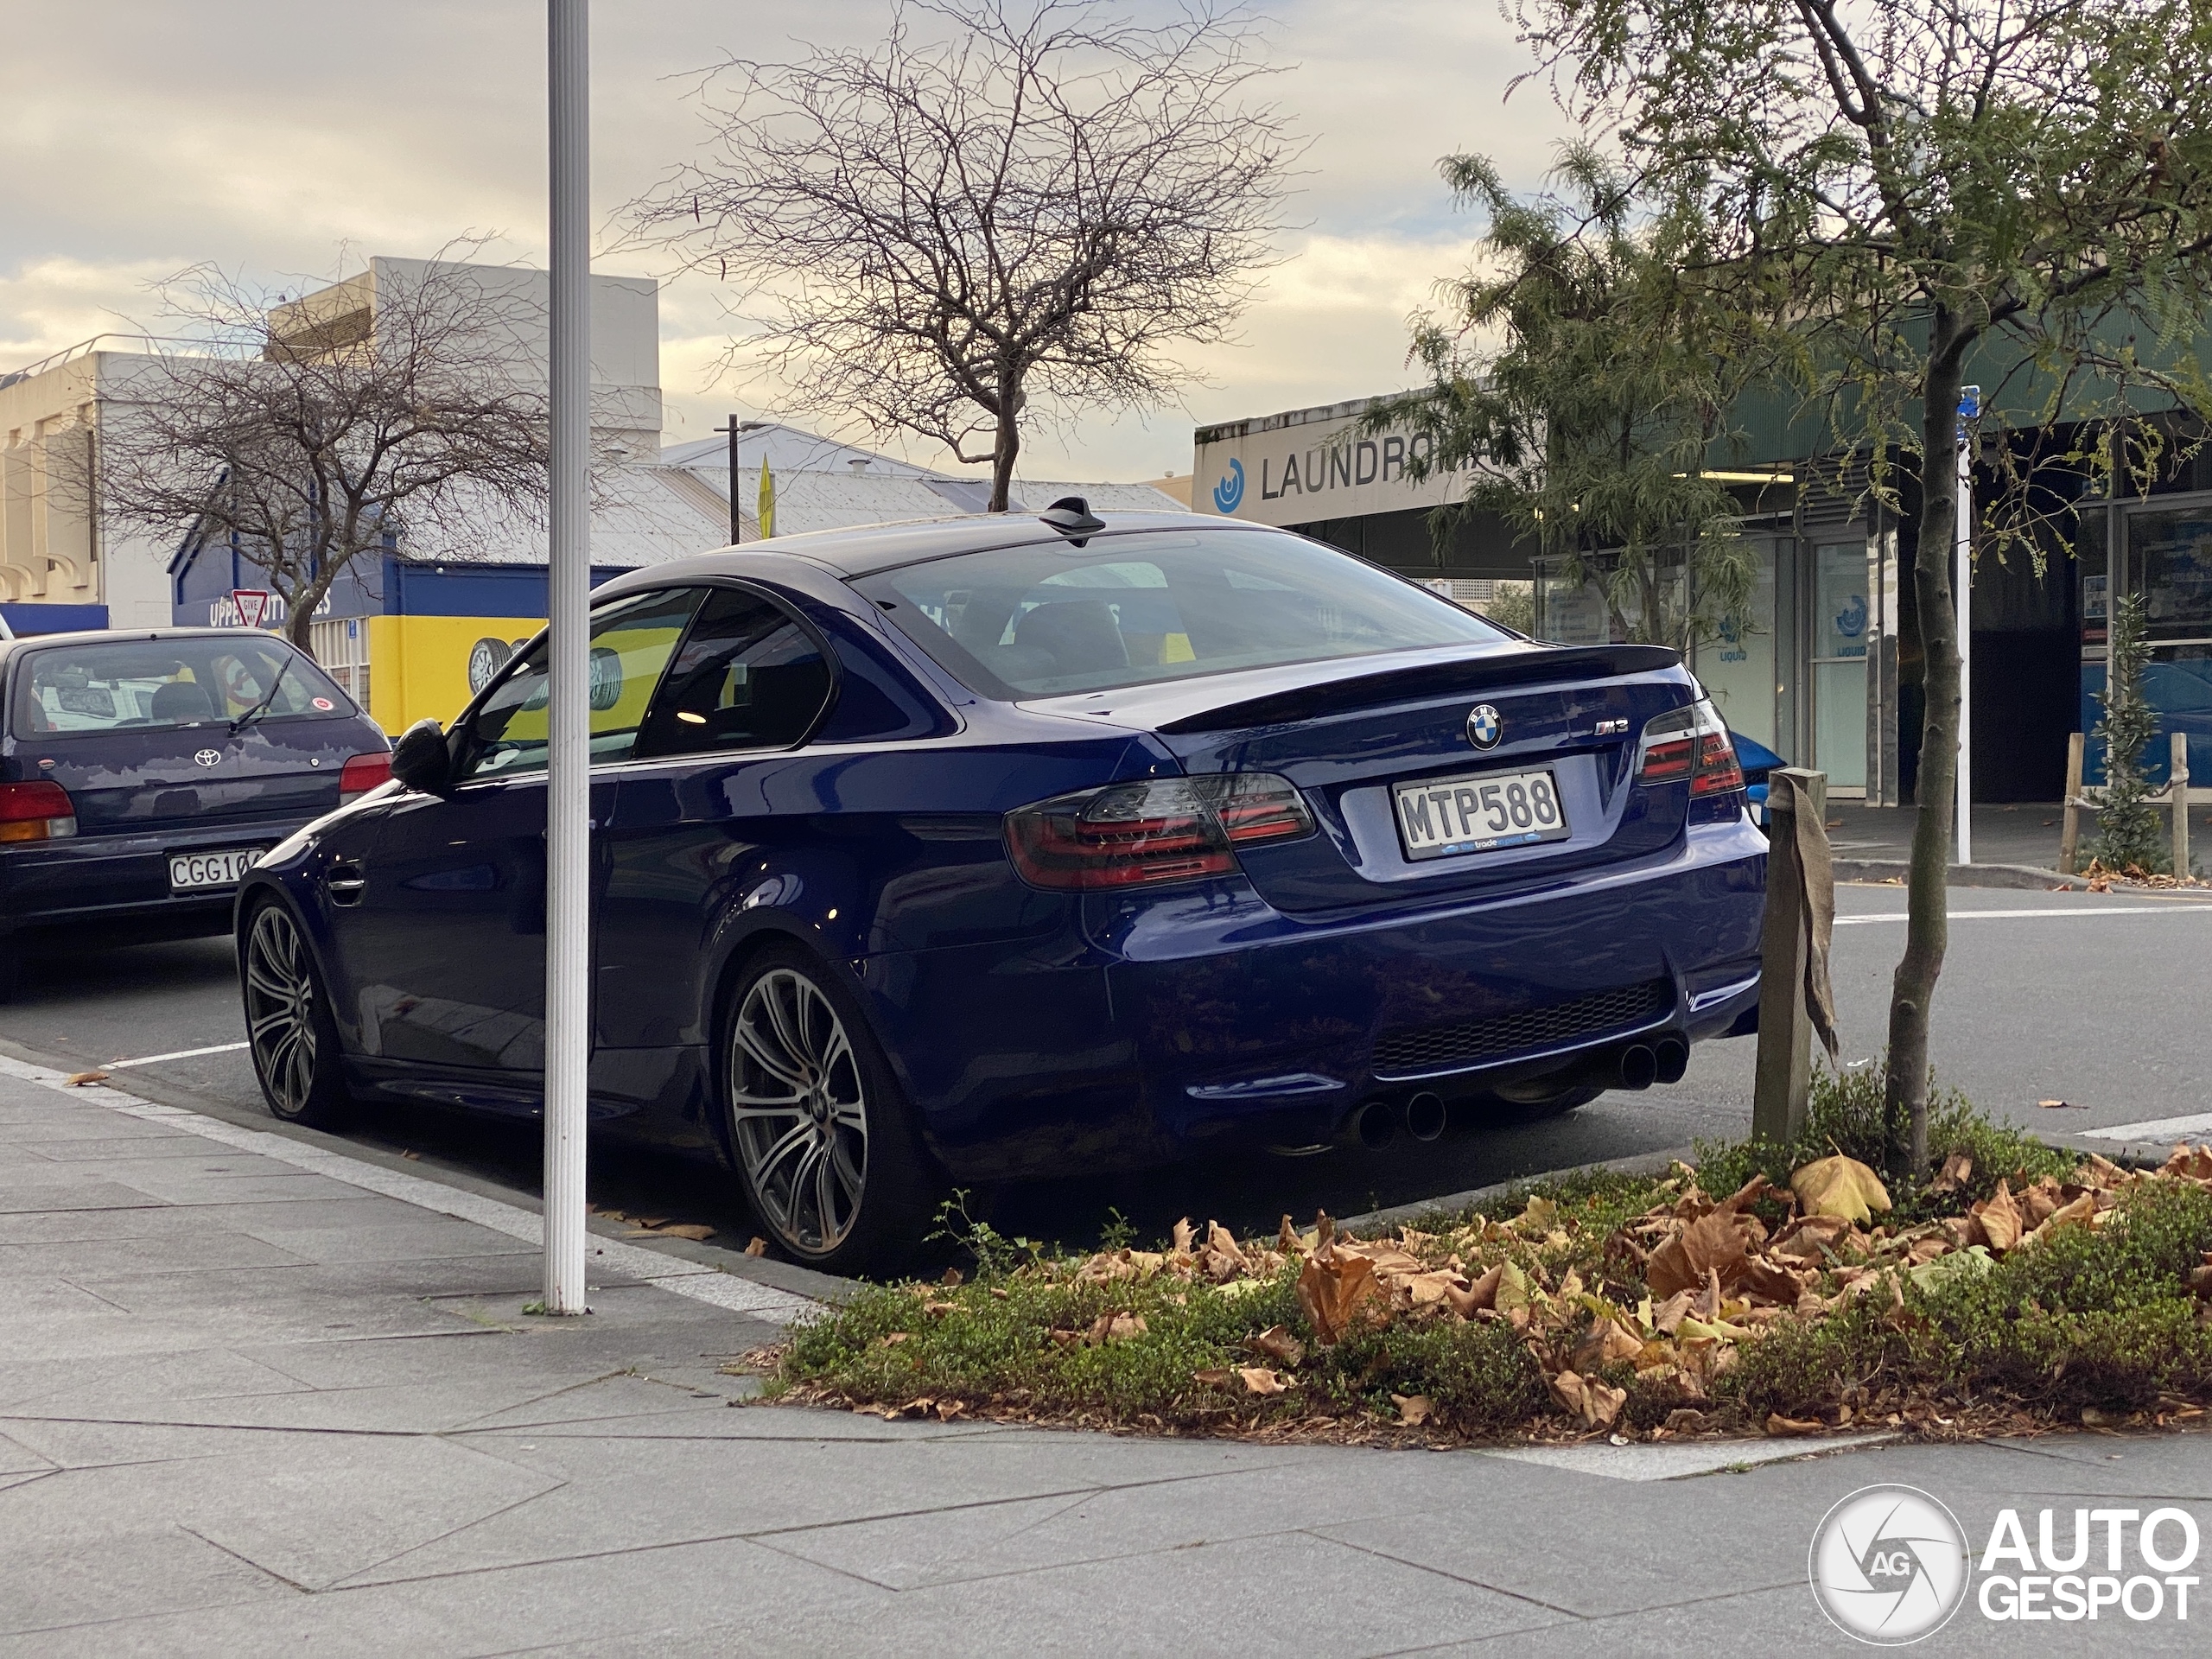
(151, 684)
(1055, 617)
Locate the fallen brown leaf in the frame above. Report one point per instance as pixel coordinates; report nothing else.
(1957, 1169)
(1777, 1424)
(2055, 1104)
(693, 1231)
(1713, 1242)
(1115, 1327)
(1331, 1286)
(79, 1079)
(759, 1246)
(2002, 1223)
(1413, 1409)
(1217, 1376)
(1258, 1379)
(1596, 1403)
(1184, 1234)
(1278, 1344)
(952, 1276)
(1839, 1186)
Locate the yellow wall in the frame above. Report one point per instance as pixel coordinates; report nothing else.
(418, 666)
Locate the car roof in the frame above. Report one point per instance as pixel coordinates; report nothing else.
(117, 636)
(865, 550)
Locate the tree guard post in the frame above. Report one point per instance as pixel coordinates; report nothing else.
(2178, 786)
(2070, 834)
(1793, 951)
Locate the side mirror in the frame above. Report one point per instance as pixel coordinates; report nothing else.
(421, 759)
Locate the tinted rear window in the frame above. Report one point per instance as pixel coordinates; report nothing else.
(153, 684)
(1055, 618)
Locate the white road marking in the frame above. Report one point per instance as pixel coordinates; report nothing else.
(2162, 1130)
(671, 1273)
(2101, 910)
(180, 1054)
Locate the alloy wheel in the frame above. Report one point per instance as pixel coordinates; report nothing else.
(799, 1110)
(280, 1010)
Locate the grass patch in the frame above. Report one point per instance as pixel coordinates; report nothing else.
(2012, 1285)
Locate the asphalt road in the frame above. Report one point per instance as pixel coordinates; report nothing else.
(2096, 1000)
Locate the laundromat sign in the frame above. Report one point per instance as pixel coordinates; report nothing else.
(1311, 464)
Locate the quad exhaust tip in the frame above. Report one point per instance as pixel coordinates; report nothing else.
(1425, 1116)
(1674, 1056)
(1376, 1125)
(1639, 1066)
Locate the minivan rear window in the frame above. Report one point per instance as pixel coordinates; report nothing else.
(156, 685)
(1060, 617)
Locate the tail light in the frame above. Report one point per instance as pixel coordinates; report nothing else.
(363, 773)
(36, 811)
(1143, 834)
(1693, 743)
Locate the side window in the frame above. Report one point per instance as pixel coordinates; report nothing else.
(631, 644)
(747, 677)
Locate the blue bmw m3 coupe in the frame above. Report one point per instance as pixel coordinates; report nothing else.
(993, 847)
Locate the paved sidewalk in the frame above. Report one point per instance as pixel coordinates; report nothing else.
(257, 1397)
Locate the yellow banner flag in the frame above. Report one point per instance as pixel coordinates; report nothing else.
(765, 512)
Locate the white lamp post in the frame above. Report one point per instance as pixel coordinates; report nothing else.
(568, 792)
(1962, 603)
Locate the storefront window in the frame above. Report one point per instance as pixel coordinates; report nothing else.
(1842, 619)
(1737, 666)
(2171, 558)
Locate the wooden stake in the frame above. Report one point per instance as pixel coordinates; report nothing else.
(1783, 1078)
(2177, 787)
(2069, 838)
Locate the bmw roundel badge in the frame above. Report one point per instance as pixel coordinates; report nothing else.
(1484, 728)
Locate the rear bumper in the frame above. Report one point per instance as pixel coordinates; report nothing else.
(122, 882)
(1213, 1017)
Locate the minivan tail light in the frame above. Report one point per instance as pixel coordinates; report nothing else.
(1160, 830)
(363, 773)
(1691, 742)
(36, 811)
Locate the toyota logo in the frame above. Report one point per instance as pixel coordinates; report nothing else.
(208, 758)
(1485, 727)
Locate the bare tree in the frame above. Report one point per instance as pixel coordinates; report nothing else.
(999, 208)
(314, 431)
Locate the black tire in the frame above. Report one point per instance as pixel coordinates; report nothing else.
(289, 1029)
(824, 1141)
(1539, 1107)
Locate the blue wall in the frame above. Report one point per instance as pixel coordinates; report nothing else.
(33, 618)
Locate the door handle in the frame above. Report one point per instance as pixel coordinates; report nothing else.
(345, 883)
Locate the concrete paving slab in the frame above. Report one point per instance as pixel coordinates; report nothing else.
(587, 1606)
(144, 1218)
(94, 1262)
(1288, 1592)
(118, 1152)
(164, 1569)
(136, 1381)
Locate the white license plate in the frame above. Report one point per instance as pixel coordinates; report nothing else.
(191, 872)
(1481, 813)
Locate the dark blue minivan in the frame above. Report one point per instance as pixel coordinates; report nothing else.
(142, 773)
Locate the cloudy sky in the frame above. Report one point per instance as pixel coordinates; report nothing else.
(284, 140)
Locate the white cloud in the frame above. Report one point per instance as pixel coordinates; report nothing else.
(143, 135)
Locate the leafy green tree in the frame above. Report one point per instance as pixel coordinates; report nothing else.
(1588, 424)
(1923, 192)
(2127, 824)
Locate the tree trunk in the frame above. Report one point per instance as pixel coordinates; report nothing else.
(1009, 446)
(1912, 989)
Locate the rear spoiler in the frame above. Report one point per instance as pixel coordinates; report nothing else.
(1489, 672)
